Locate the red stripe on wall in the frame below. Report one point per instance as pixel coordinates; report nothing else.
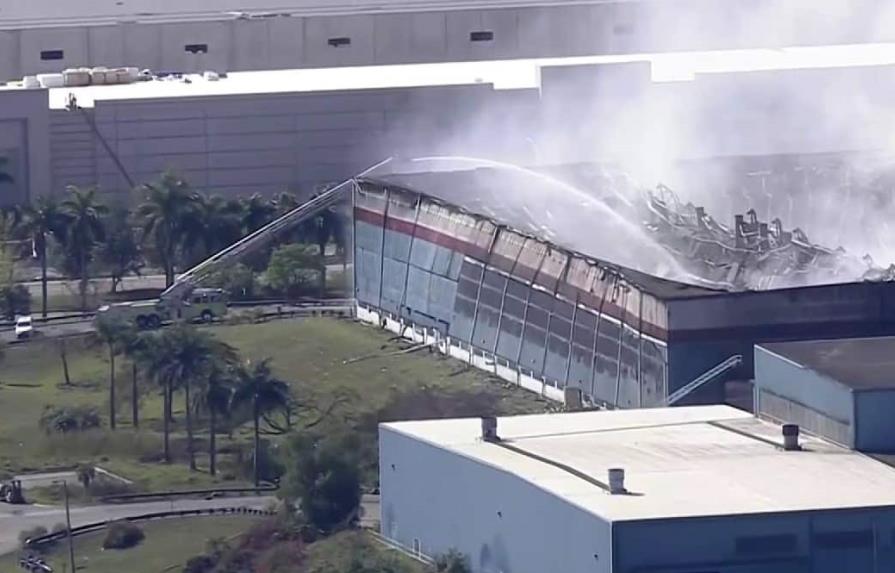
(520, 271)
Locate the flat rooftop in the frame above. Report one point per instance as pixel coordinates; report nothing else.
(679, 462)
(859, 363)
(513, 75)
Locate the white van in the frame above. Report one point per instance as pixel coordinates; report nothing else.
(24, 329)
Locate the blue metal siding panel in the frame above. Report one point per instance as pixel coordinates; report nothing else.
(606, 371)
(417, 298)
(397, 246)
(368, 271)
(394, 274)
(789, 380)
(875, 421)
(629, 382)
(442, 293)
(653, 368)
(694, 543)
(423, 254)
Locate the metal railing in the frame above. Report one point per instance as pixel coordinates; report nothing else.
(35, 542)
(219, 491)
(703, 379)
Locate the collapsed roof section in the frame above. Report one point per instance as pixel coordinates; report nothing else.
(544, 207)
(610, 217)
(754, 254)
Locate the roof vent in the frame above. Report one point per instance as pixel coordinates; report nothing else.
(617, 481)
(791, 437)
(489, 429)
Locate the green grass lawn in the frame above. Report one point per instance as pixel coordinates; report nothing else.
(311, 354)
(168, 545)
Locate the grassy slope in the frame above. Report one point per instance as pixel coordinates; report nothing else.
(335, 554)
(167, 546)
(311, 354)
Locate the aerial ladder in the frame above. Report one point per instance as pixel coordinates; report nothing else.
(186, 282)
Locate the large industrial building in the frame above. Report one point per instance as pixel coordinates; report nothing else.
(674, 490)
(552, 302)
(38, 36)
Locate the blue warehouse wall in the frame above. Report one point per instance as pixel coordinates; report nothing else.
(520, 305)
(857, 541)
(874, 421)
(788, 392)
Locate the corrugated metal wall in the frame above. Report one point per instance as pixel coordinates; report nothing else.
(265, 143)
(788, 393)
(517, 302)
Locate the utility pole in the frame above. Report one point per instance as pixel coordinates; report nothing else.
(71, 540)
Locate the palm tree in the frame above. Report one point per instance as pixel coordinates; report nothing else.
(154, 358)
(285, 202)
(257, 212)
(83, 230)
(184, 355)
(220, 224)
(115, 335)
(166, 214)
(266, 394)
(215, 399)
(41, 221)
(135, 347)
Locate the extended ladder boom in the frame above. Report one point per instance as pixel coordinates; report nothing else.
(263, 236)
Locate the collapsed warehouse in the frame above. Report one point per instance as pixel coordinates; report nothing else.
(548, 288)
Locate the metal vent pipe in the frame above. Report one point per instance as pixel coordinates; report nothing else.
(617, 481)
(791, 437)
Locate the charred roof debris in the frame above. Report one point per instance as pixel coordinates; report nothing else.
(751, 254)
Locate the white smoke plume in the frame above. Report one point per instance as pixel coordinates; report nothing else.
(840, 122)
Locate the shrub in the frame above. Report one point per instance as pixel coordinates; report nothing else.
(122, 535)
(199, 564)
(14, 299)
(67, 419)
(294, 269)
(238, 280)
(452, 562)
(324, 476)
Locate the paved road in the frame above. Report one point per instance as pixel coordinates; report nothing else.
(14, 519)
(75, 326)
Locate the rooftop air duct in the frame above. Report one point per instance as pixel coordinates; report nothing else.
(617, 481)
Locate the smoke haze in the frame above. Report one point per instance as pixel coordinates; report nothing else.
(718, 140)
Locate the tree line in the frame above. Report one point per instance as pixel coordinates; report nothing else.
(208, 375)
(172, 227)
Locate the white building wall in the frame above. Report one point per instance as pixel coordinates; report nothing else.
(251, 45)
(106, 44)
(438, 500)
(71, 41)
(432, 33)
(214, 35)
